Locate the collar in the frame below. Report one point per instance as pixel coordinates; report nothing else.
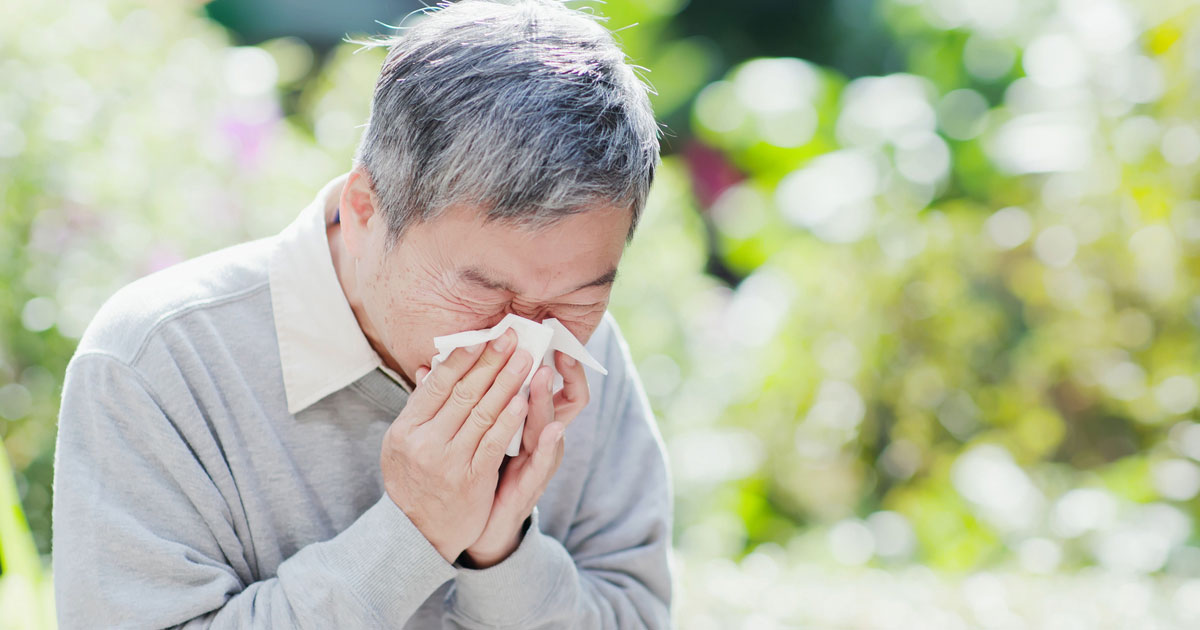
(321, 347)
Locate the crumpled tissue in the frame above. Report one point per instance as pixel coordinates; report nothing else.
(540, 340)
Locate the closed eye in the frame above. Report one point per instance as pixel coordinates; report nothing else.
(574, 311)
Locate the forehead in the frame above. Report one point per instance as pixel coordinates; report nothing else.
(578, 251)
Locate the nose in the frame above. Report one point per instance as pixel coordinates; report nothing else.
(531, 311)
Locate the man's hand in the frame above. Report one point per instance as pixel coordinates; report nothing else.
(526, 476)
(441, 456)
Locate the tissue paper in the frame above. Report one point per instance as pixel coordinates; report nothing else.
(540, 340)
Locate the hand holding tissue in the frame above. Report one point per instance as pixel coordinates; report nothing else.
(540, 340)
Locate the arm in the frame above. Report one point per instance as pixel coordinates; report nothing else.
(143, 538)
(612, 571)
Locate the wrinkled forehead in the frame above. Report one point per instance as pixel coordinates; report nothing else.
(574, 253)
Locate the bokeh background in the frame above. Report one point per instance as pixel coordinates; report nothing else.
(915, 299)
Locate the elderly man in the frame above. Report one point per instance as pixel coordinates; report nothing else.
(259, 438)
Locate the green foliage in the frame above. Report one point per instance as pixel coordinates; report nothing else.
(968, 291)
(942, 317)
(26, 593)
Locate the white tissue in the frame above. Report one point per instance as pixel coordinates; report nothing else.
(539, 340)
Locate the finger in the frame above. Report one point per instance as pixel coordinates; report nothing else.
(541, 407)
(574, 395)
(526, 476)
(536, 476)
(469, 389)
(431, 393)
(491, 448)
(481, 418)
(422, 372)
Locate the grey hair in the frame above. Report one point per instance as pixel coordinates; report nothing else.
(526, 109)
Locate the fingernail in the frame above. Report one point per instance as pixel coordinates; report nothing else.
(550, 385)
(568, 360)
(475, 348)
(503, 342)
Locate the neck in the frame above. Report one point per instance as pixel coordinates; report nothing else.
(344, 267)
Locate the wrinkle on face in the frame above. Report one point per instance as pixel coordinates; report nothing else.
(460, 272)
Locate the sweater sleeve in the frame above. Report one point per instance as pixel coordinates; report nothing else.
(143, 538)
(612, 571)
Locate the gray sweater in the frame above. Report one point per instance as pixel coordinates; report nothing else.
(185, 493)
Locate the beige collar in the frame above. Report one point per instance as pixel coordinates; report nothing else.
(321, 347)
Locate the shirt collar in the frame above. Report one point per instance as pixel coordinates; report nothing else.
(321, 347)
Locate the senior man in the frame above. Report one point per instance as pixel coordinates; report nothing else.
(255, 438)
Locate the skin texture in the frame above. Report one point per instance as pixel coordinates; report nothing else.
(459, 272)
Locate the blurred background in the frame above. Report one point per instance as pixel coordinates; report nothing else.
(915, 298)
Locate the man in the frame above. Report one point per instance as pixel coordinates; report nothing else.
(256, 439)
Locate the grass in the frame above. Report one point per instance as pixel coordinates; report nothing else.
(26, 591)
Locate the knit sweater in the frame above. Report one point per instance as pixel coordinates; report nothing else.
(186, 492)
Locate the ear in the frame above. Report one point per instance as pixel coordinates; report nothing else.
(358, 207)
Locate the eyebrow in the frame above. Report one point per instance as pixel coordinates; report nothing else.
(479, 277)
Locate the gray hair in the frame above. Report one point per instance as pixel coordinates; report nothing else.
(526, 109)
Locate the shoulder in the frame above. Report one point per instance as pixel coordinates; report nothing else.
(610, 349)
(618, 398)
(132, 316)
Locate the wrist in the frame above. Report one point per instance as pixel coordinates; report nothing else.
(448, 552)
(484, 554)
(447, 549)
(484, 558)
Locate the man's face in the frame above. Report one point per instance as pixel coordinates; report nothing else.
(458, 272)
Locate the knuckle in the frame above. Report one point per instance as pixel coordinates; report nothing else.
(461, 394)
(493, 357)
(473, 474)
(511, 416)
(395, 434)
(400, 441)
(407, 423)
(422, 450)
(479, 419)
(528, 487)
(401, 449)
(492, 448)
(421, 457)
(435, 387)
(513, 380)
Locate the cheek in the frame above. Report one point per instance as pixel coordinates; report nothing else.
(582, 326)
(423, 310)
(374, 289)
(420, 314)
